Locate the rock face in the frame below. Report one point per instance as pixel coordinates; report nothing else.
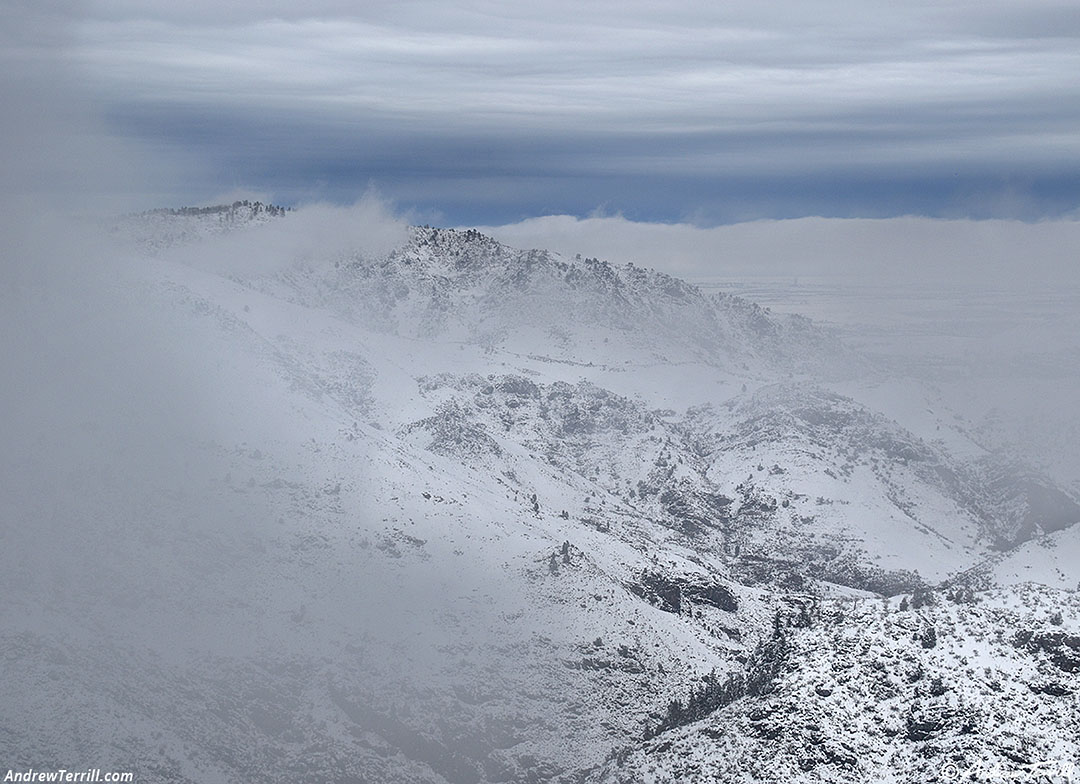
(465, 513)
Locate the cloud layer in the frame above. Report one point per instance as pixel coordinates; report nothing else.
(980, 254)
(712, 113)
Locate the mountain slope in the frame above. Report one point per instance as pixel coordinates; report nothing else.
(461, 513)
(870, 692)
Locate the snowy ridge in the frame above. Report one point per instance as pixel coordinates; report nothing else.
(462, 286)
(157, 230)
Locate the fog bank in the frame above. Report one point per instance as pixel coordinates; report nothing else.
(984, 253)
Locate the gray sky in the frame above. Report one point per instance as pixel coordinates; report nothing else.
(484, 112)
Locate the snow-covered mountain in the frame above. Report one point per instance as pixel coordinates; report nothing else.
(455, 512)
(462, 286)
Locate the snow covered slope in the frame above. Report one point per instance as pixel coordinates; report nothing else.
(455, 512)
(979, 689)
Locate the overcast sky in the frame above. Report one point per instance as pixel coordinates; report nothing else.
(490, 112)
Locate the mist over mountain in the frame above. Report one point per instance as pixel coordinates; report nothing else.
(318, 495)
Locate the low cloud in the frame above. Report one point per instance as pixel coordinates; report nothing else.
(990, 252)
